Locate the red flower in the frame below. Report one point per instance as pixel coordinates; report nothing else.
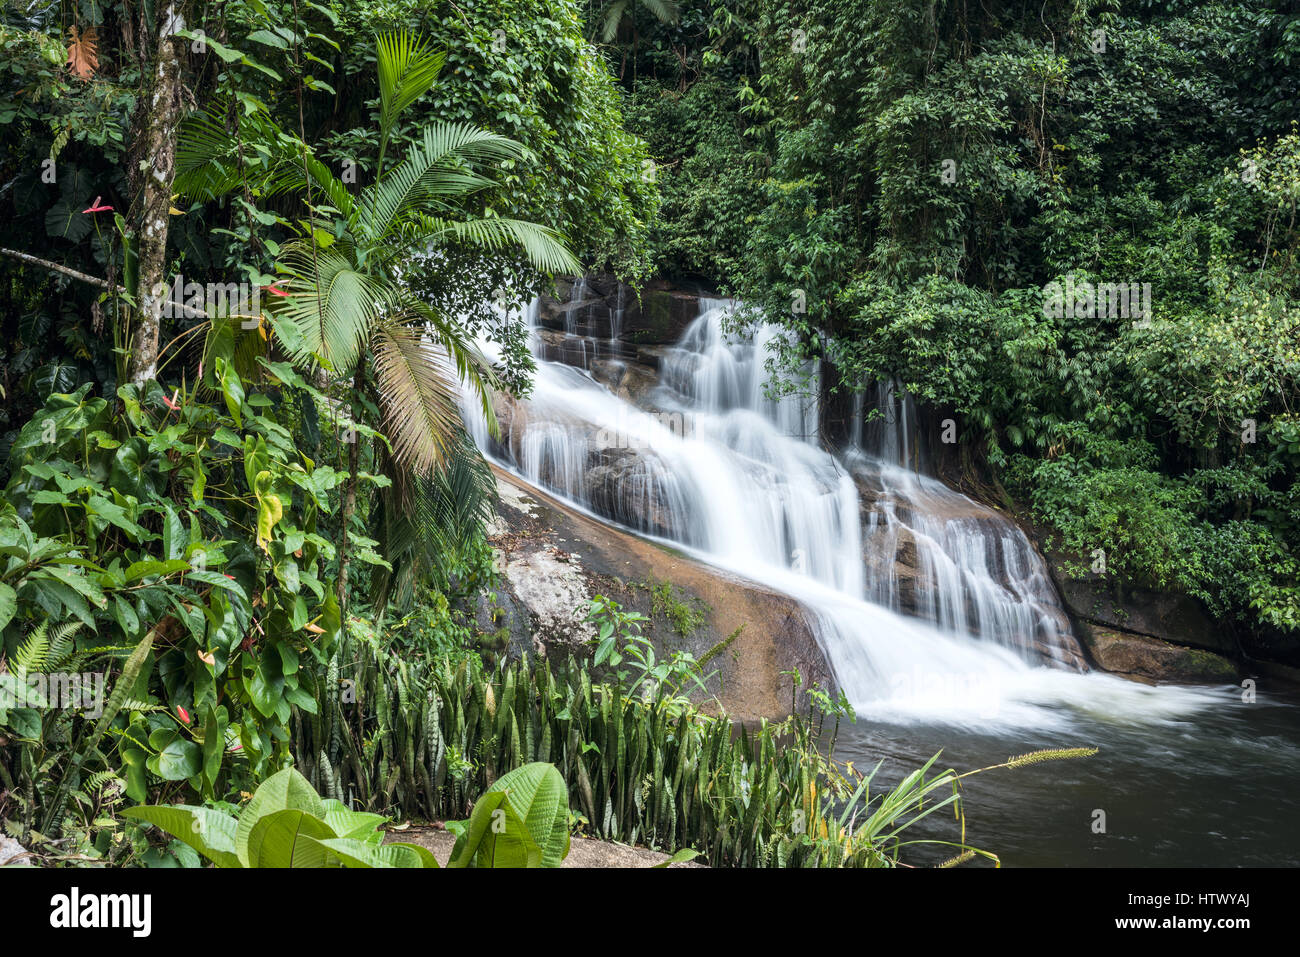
(96, 208)
(172, 403)
(185, 715)
(273, 291)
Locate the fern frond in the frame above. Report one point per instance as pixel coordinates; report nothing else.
(33, 653)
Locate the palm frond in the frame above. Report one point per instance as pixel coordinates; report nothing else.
(418, 395)
(459, 498)
(440, 165)
(207, 158)
(472, 367)
(665, 11)
(408, 68)
(330, 307)
(426, 524)
(319, 174)
(209, 163)
(611, 19)
(544, 246)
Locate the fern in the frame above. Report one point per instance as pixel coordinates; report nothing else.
(32, 654)
(62, 645)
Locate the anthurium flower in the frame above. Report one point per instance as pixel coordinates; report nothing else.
(185, 715)
(275, 291)
(96, 208)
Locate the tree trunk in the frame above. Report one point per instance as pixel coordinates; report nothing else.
(349, 503)
(157, 138)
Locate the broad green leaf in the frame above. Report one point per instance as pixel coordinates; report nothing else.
(284, 790)
(538, 795)
(8, 604)
(354, 853)
(287, 838)
(208, 831)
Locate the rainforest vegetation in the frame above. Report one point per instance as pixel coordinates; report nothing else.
(253, 249)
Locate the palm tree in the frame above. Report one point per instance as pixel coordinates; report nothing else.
(611, 19)
(344, 309)
(349, 311)
(347, 300)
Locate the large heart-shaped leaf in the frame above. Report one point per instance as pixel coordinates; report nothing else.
(66, 221)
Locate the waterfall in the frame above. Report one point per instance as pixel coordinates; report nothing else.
(925, 602)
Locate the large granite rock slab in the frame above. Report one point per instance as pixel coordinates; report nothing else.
(553, 558)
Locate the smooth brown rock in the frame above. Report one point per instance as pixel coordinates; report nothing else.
(553, 558)
(1144, 657)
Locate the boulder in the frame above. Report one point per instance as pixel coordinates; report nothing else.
(660, 316)
(657, 315)
(1167, 615)
(13, 854)
(553, 558)
(1150, 659)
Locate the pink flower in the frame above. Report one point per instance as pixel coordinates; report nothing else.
(96, 208)
(185, 715)
(273, 290)
(172, 403)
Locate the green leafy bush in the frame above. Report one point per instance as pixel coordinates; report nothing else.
(521, 821)
(196, 537)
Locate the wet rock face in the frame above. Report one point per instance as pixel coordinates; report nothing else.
(553, 559)
(932, 554)
(1168, 616)
(656, 314)
(623, 487)
(1150, 659)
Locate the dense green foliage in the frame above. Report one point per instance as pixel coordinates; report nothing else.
(426, 737)
(386, 173)
(901, 183)
(263, 547)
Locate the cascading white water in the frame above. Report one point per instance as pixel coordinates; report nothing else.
(717, 465)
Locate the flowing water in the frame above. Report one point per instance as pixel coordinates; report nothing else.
(936, 615)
